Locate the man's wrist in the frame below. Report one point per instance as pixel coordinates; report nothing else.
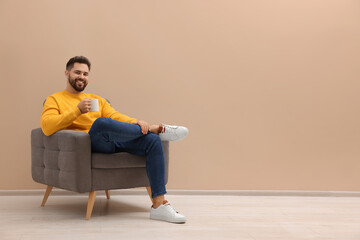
(79, 110)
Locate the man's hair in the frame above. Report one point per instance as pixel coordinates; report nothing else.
(78, 59)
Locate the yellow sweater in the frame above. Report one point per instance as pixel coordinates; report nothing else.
(61, 112)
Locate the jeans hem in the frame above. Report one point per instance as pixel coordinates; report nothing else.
(154, 195)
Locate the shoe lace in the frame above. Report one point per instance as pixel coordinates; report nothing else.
(168, 128)
(170, 208)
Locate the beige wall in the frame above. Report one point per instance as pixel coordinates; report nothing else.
(268, 89)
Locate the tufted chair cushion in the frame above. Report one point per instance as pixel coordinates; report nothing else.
(117, 160)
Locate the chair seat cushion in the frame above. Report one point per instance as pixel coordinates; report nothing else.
(117, 160)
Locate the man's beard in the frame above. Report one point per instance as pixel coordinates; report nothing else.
(73, 84)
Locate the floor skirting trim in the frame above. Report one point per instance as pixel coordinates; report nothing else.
(142, 191)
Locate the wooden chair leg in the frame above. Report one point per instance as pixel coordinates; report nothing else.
(107, 194)
(91, 201)
(46, 195)
(148, 189)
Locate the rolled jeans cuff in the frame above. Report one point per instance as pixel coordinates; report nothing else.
(154, 195)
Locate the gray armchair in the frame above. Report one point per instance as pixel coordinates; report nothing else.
(64, 160)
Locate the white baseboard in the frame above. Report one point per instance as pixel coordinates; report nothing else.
(143, 191)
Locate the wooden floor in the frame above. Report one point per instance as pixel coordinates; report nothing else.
(209, 217)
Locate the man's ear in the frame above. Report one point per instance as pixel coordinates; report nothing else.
(66, 73)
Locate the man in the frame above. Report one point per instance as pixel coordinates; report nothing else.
(111, 131)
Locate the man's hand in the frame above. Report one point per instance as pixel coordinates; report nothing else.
(85, 105)
(145, 127)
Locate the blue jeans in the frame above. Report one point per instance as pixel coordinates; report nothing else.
(110, 136)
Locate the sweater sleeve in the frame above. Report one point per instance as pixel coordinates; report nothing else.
(52, 121)
(110, 112)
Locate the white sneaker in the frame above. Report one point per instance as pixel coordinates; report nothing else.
(173, 133)
(167, 213)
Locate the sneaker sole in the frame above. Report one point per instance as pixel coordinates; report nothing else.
(159, 218)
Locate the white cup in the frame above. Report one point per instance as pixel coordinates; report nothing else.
(94, 105)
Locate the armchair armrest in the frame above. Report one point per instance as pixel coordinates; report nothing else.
(62, 160)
